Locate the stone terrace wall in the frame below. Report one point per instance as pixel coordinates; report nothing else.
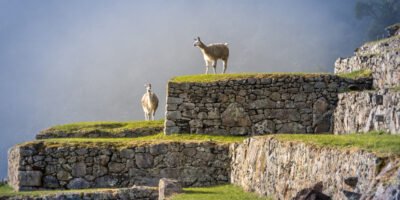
(41, 165)
(381, 57)
(137, 132)
(274, 104)
(280, 169)
(136, 192)
(368, 111)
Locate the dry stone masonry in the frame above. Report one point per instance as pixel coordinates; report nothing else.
(368, 111)
(377, 110)
(380, 57)
(272, 104)
(38, 166)
(281, 169)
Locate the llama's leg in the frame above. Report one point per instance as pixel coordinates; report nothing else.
(152, 115)
(225, 62)
(145, 116)
(214, 65)
(206, 67)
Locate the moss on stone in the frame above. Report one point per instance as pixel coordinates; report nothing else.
(363, 73)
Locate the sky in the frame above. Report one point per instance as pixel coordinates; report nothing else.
(70, 61)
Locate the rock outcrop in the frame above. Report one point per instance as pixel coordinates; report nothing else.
(380, 57)
(284, 169)
(271, 104)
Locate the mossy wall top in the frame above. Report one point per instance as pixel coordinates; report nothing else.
(255, 103)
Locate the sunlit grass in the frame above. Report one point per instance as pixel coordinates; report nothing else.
(112, 128)
(363, 73)
(138, 141)
(376, 142)
(203, 78)
(220, 192)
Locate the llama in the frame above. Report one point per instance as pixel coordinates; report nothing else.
(212, 53)
(149, 103)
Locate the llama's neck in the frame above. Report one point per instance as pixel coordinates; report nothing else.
(202, 46)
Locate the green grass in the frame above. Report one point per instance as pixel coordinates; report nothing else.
(106, 126)
(221, 192)
(8, 191)
(203, 78)
(113, 128)
(139, 141)
(363, 73)
(376, 142)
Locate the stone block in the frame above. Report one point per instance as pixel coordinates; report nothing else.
(29, 178)
(168, 187)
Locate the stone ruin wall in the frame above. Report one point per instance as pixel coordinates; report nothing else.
(368, 111)
(37, 166)
(283, 104)
(381, 57)
(375, 110)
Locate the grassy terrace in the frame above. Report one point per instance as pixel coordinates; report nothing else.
(209, 193)
(203, 78)
(6, 190)
(114, 128)
(376, 142)
(217, 193)
(124, 142)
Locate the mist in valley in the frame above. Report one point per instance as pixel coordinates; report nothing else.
(70, 61)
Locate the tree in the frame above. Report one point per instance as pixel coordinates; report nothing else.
(379, 13)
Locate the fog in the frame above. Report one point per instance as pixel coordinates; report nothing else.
(68, 61)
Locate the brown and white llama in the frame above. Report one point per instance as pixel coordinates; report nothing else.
(212, 53)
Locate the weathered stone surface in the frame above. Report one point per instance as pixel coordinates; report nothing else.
(290, 103)
(78, 183)
(144, 160)
(30, 178)
(235, 116)
(281, 169)
(50, 182)
(368, 111)
(194, 164)
(79, 169)
(168, 187)
(381, 57)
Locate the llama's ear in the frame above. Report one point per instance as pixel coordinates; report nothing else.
(198, 38)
